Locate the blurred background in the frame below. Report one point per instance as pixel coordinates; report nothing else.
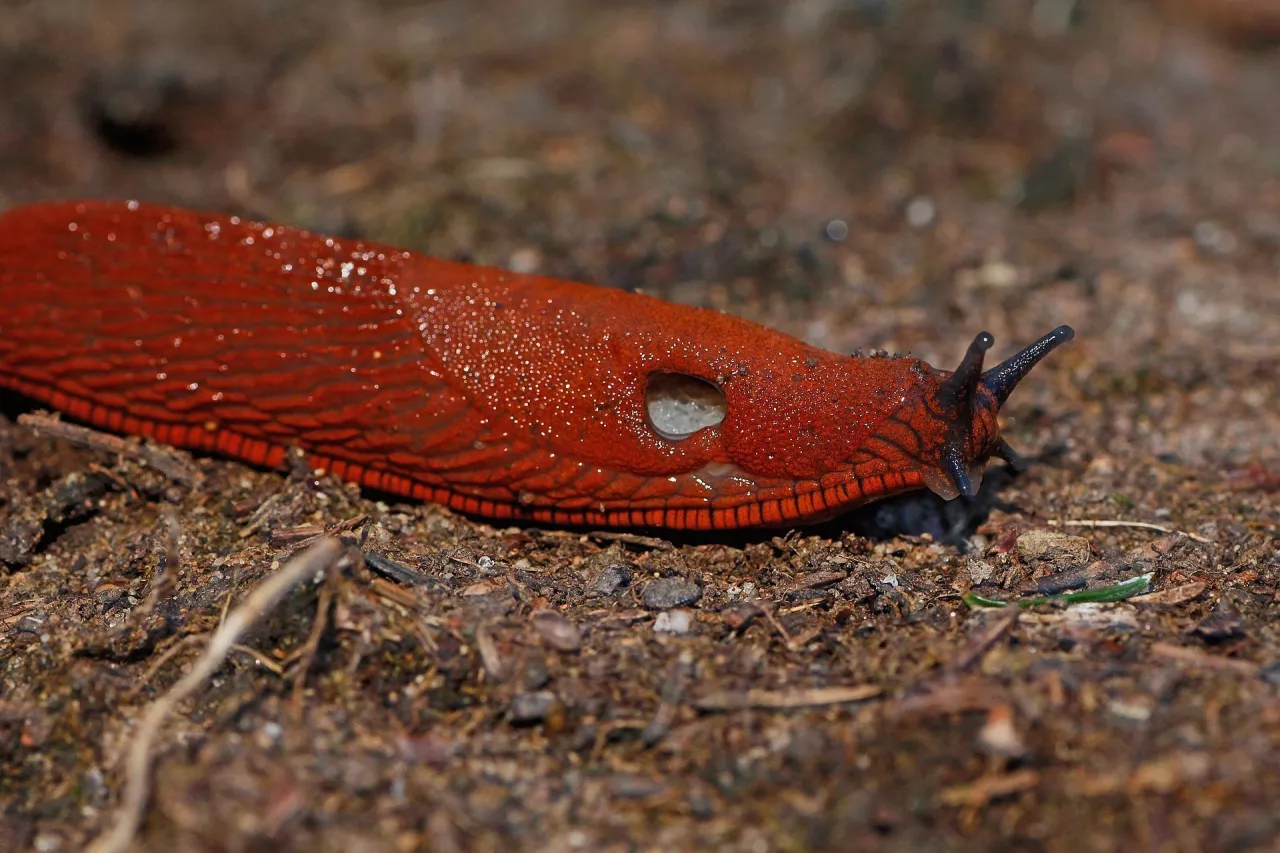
(893, 174)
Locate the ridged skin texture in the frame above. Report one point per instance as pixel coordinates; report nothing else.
(502, 395)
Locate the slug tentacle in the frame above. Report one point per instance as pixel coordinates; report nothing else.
(956, 397)
(1004, 377)
(960, 388)
(1011, 457)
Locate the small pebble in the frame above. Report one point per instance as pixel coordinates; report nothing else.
(665, 593)
(1271, 674)
(980, 571)
(627, 786)
(1212, 237)
(529, 708)
(1134, 708)
(998, 275)
(1055, 547)
(921, 212)
(557, 631)
(534, 674)
(612, 579)
(525, 259)
(1221, 625)
(677, 621)
(999, 735)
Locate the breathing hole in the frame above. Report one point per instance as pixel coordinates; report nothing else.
(679, 405)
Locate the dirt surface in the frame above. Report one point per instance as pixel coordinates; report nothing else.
(889, 175)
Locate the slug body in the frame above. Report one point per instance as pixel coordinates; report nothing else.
(503, 395)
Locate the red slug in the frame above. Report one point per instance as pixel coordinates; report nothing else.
(502, 395)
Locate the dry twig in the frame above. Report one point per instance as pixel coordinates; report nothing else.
(260, 601)
(1098, 523)
(1201, 660)
(982, 791)
(783, 700)
(158, 458)
(308, 652)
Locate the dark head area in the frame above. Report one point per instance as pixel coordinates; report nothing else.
(959, 397)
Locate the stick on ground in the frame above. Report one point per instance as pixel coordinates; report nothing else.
(260, 601)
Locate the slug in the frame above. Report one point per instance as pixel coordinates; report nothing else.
(500, 395)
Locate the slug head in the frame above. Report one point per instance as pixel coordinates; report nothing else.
(966, 403)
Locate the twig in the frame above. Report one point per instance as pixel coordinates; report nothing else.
(308, 651)
(624, 538)
(259, 658)
(489, 654)
(777, 626)
(158, 458)
(673, 690)
(259, 602)
(783, 700)
(166, 656)
(1174, 595)
(259, 516)
(984, 640)
(957, 697)
(1096, 523)
(984, 790)
(397, 572)
(165, 578)
(1200, 660)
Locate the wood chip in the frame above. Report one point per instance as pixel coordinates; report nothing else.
(1174, 595)
(814, 580)
(985, 639)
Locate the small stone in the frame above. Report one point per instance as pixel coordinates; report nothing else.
(980, 571)
(1134, 708)
(1212, 237)
(737, 616)
(1271, 674)
(920, 212)
(999, 736)
(557, 631)
(529, 708)
(612, 579)
(627, 786)
(677, 621)
(1058, 548)
(998, 275)
(480, 588)
(534, 674)
(1221, 625)
(525, 259)
(665, 593)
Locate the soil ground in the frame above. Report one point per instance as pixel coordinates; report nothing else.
(890, 175)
